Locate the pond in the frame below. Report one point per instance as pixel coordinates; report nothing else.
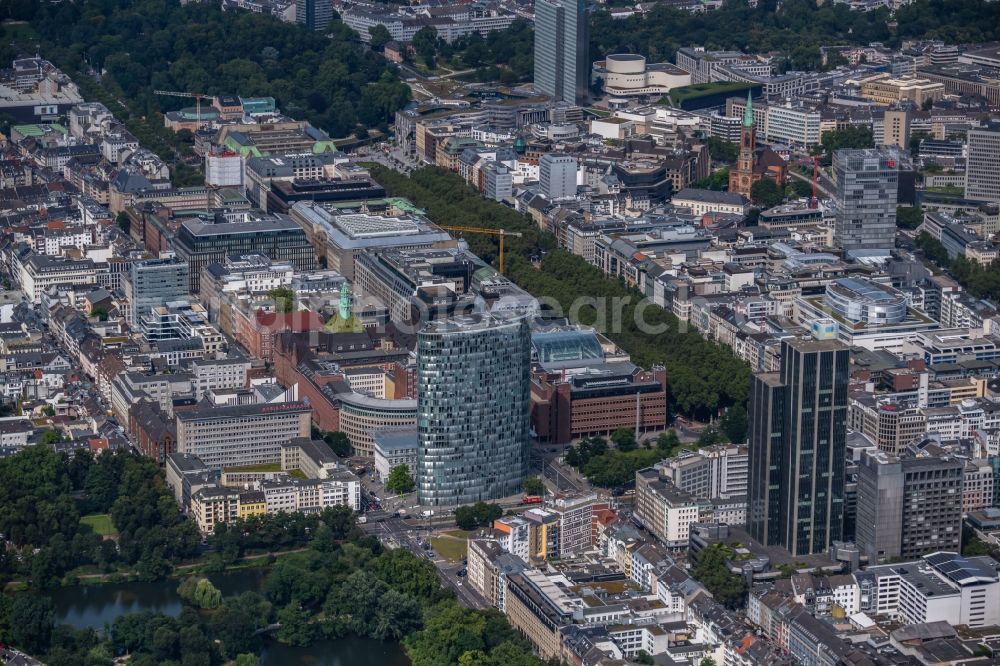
(95, 606)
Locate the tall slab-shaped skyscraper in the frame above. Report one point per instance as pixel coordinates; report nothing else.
(798, 430)
(562, 50)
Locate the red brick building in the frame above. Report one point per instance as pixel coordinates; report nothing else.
(154, 431)
(256, 331)
(597, 401)
(752, 164)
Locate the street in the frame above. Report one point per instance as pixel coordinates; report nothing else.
(395, 159)
(408, 534)
(562, 479)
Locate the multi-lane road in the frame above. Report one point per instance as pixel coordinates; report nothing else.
(563, 479)
(410, 534)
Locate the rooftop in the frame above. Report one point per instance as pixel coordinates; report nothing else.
(964, 570)
(396, 439)
(467, 324)
(203, 412)
(866, 290)
(709, 196)
(275, 223)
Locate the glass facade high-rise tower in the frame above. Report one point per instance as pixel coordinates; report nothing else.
(562, 46)
(798, 431)
(473, 392)
(867, 184)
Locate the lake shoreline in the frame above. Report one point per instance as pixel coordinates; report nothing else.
(97, 605)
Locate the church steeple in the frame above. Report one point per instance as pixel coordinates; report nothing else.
(748, 112)
(747, 143)
(742, 177)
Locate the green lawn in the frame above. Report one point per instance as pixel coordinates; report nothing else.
(678, 95)
(459, 534)
(947, 189)
(266, 467)
(18, 31)
(100, 523)
(450, 547)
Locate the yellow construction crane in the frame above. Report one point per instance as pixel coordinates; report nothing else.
(492, 232)
(197, 96)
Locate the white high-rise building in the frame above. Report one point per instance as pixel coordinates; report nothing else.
(557, 176)
(982, 171)
(223, 168)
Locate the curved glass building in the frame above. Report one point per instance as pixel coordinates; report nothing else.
(863, 301)
(473, 391)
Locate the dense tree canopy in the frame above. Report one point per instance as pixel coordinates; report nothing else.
(722, 150)
(337, 84)
(425, 43)
(380, 36)
(711, 571)
(331, 589)
(624, 439)
(794, 28)
(981, 281)
(453, 635)
(284, 299)
(199, 592)
(533, 485)
(973, 546)
(766, 193)
(855, 136)
(480, 514)
(506, 56)
(797, 29)
(449, 200)
(734, 424)
(340, 443)
(276, 532)
(703, 375)
(44, 494)
(909, 218)
(147, 45)
(616, 468)
(718, 180)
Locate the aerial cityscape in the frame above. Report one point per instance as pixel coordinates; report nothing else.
(499, 333)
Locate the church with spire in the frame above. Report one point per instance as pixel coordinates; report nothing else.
(753, 164)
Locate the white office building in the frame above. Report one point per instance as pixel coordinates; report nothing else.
(794, 125)
(981, 181)
(223, 168)
(557, 176)
(395, 447)
(939, 587)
